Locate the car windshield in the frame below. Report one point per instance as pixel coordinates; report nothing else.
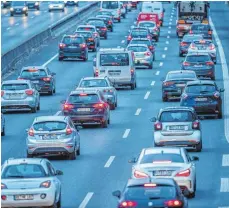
(23, 171)
(30, 73)
(147, 42)
(203, 88)
(114, 59)
(86, 29)
(83, 98)
(15, 87)
(183, 75)
(18, 3)
(49, 126)
(110, 4)
(139, 33)
(105, 13)
(146, 193)
(146, 24)
(190, 38)
(176, 116)
(160, 158)
(73, 40)
(96, 23)
(84, 34)
(137, 48)
(200, 27)
(198, 58)
(94, 83)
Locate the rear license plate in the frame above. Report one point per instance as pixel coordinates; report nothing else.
(23, 197)
(72, 47)
(83, 109)
(177, 127)
(180, 85)
(14, 96)
(47, 137)
(114, 73)
(162, 173)
(198, 65)
(35, 82)
(201, 99)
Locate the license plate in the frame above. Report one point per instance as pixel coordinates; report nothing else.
(83, 109)
(14, 96)
(72, 47)
(180, 85)
(162, 173)
(201, 99)
(177, 127)
(113, 73)
(201, 48)
(198, 65)
(23, 197)
(50, 136)
(35, 82)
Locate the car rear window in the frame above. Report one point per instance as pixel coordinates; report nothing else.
(160, 158)
(105, 13)
(147, 42)
(202, 43)
(141, 192)
(198, 58)
(200, 27)
(84, 34)
(146, 24)
(86, 29)
(176, 116)
(94, 83)
(204, 88)
(83, 98)
(139, 33)
(18, 3)
(137, 48)
(23, 171)
(49, 126)
(31, 73)
(187, 38)
(110, 4)
(114, 59)
(15, 87)
(72, 40)
(96, 23)
(183, 75)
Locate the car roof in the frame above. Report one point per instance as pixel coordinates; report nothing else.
(84, 90)
(90, 78)
(201, 82)
(158, 150)
(137, 45)
(181, 72)
(16, 161)
(162, 181)
(111, 50)
(50, 118)
(177, 108)
(83, 31)
(86, 26)
(16, 82)
(34, 67)
(141, 39)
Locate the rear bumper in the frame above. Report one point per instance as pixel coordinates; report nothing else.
(102, 34)
(176, 92)
(66, 54)
(50, 151)
(87, 119)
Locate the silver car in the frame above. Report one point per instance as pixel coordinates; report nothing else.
(56, 5)
(167, 163)
(178, 126)
(53, 136)
(143, 58)
(3, 124)
(30, 183)
(102, 84)
(19, 95)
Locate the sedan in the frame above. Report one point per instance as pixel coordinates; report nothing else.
(3, 125)
(166, 162)
(89, 38)
(56, 5)
(108, 21)
(204, 96)
(139, 32)
(30, 183)
(33, 5)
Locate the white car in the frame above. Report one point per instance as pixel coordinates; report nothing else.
(167, 163)
(30, 183)
(56, 5)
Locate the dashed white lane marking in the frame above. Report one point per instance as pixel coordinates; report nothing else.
(126, 133)
(169, 27)
(223, 207)
(225, 80)
(158, 72)
(45, 11)
(57, 113)
(126, 36)
(152, 83)
(171, 20)
(138, 111)
(32, 17)
(163, 56)
(224, 187)
(161, 63)
(109, 161)
(169, 31)
(17, 24)
(225, 161)
(167, 42)
(86, 200)
(8, 28)
(6, 15)
(123, 41)
(146, 95)
(47, 62)
(165, 48)
(170, 23)
(168, 36)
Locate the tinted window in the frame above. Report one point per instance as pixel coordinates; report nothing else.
(137, 48)
(105, 13)
(18, 3)
(84, 34)
(96, 23)
(200, 27)
(139, 33)
(114, 59)
(33, 73)
(154, 158)
(49, 126)
(205, 88)
(86, 29)
(83, 98)
(176, 116)
(147, 24)
(24, 171)
(183, 75)
(15, 86)
(94, 83)
(72, 40)
(147, 42)
(198, 58)
(156, 9)
(187, 38)
(110, 5)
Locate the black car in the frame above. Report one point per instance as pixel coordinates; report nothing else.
(201, 28)
(18, 7)
(201, 63)
(139, 32)
(6, 4)
(142, 193)
(71, 3)
(41, 77)
(175, 82)
(89, 38)
(33, 5)
(185, 43)
(204, 96)
(100, 27)
(87, 107)
(72, 46)
(108, 21)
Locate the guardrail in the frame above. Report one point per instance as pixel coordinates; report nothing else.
(19, 53)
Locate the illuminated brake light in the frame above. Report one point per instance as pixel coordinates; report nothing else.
(184, 173)
(96, 72)
(32, 70)
(210, 63)
(183, 44)
(128, 204)
(45, 184)
(62, 45)
(192, 46)
(83, 94)
(99, 105)
(138, 174)
(68, 131)
(83, 45)
(186, 63)
(47, 79)
(29, 92)
(196, 125)
(90, 39)
(150, 185)
(158, 126)
(2, 93)
(67, 106)
(109, 22)
(104, 29)
(3, 197)
(31, 132)
(129, 37)
(168, 83)
(173, 203)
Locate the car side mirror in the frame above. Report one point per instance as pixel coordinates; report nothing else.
(63, 101)
(59, 172)
(26, 130)
(53, 73)
(132, 160)
(154, 119)
(186, 193)
(117, 194)
(195, 158)
(222, 90)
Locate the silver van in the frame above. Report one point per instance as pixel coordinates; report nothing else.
(117, 64)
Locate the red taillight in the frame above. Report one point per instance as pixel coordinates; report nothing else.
(29, 92)
(96, 72)
(184, 173)
(211, 47)
(129, 37)
(45, 184)
(99, 105)
(183, 44)
(216, 95)
(184, 96)
(147, 53)
(2, 93)
(149, 37)
(96, 34)
(186, 63)
(109, 22)
(158, 126)
(196, 125)
(151, 47)
(83, 45)
(132, 72)
(62, 45)
(68, 131)
(190, 32)
(168, 83)
(107, 91)
(209, 32)
(128, 204)
(46, 79)
(3, 197)
(31, 132)
(3, 186)
(68, 106)
(173, 203)
(138, 174)
(210, 63)
(104, 29)
(90, 39)
(150, 185)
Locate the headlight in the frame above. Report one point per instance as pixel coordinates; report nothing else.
(65, 2)
(36, 3)
(50, 6)
(11, 9)
(24, 9)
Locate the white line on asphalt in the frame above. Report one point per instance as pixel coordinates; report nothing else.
(8, 28)
(158, 72)
(17, 24)
(171, 19)
(86, 200)
(163, 56)
(225, 161)
(109, 161)
(223, 207)
(169, 27)
(6, 15)
(168, 36)
(170, 23)
(138, 111)
(225, 80)
(47, 62)
(152, 83)
(165, 48)
(167, 42)
(123, 41)
(146, 95)
(57, 113)
(161, 63)
(169, 31)
(126, 133)
(32, 17)
(126, 36)
(45, 11)
(224, 187)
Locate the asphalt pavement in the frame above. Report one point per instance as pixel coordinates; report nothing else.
(103, 165)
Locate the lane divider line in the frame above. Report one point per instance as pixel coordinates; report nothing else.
(123, 41)
(157, 73)
(138, 111)
(8, 28)
(57, 113)
(170, 23)
(126, 133)
(169, 31)
(146, 95)
(225, 161)
(224, 185)
(163, 56)
(161, 63)
(165, 48)
(47, 62)
(167, 42)
(169, 27)
(168, 36)
(17, 24)
(86, 200)
(109, 161)
(152, 83)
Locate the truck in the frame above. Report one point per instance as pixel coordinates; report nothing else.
(189, 12)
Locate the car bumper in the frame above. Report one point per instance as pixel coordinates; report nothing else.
(142, 62)
(18, 12)
(172, 92)
(87, 119)
(111, 98)
(73, 54)
(102, 34)
(56, 8)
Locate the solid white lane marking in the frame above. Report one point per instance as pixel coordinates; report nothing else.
(45, 11)
(47, 62)
(138, 111)
(168, 36)
(163, 56)
(57, 113)
(152, 83)
(225, 80)
(126, 36)
(17, 24)
(126, 133)
(8, 28)
(167, 42)
(109, 161)
(86, 200)
(158, 72)
(169, 31)
(225, 161)
(123, 41)
(146, 95)
(161, 63)
(224, 187)
(165, 48)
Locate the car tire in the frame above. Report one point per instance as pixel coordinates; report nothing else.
(213, 78)
(220, 114)
(34, 109)
(164, 99)
(11, 14)
(132, 86)
(3, 132)
(85, 58)
(38, 8)
(150, 66)
(192, 195)
(105, 37)
(112, 29)
(78, 151)
(26, 14)
(59, 202)
(119, 20)
(180, 54)
(29, 155)
(104, 124)
(50, 92)
(116, 104)
(72, 156)
(54, 90)
(39, 106)
(157, 39)
(49, 10)
(62, 10)
(112, 106)
(154, 56)
(61, 58)
(199, 147)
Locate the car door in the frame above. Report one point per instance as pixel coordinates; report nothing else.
(110, 84)
(37, 94)
(76, 134)
(193, 165)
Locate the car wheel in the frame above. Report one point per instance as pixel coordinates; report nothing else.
(26, 14)
(180, 54)
(157, 39)
(50, 92)
(154, 56)
(72, 156)
(54, 90)
(29, 155)
(62, 10)
(34, 109)
(119, 20)
(213, 78)
(199, 147)
(112, 29)
(112, 106)
(61, 58)
(39, 106)
(192, 195)
(135, 85)
(104, 124)
(38, 8)
(85, 58)
(105, 37)
(78, 151)
(220, 114)
(164, 99)
(11, 14)
(116, 104)
(49, 10)
(150, 66)
(132, 86)
(3, 132)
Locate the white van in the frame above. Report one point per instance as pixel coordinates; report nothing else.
(117, 64)
(112, 6)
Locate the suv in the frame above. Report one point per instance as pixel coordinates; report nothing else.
(73, 46)
(178, 126)
(87, 107)
(201, 28)
(139, 32)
